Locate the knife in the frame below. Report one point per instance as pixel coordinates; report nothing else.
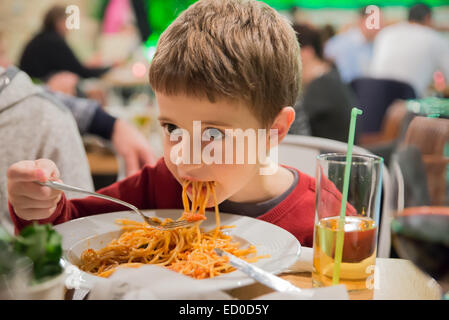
(262, 276)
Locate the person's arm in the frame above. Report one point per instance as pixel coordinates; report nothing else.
(89, 116)
(102, 124)
(127, 141)
(53, 206)
(63, 58)
(92, 119)
(132, 146)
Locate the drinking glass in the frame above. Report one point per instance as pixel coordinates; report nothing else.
(360, 224)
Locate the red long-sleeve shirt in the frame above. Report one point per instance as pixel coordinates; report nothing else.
(156, 188)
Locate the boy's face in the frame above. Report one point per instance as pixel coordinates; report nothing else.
(180, 112)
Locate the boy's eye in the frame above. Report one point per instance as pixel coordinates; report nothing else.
(212, 134)
(169, 128)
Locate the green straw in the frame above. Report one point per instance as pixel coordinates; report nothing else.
(344, 200)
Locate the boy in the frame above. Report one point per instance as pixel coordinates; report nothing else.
(233, 65)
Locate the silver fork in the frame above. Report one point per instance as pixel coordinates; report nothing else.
(148, 220)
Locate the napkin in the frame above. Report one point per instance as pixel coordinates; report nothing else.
(152, 282)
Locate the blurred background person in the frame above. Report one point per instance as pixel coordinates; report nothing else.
(297, 16)
(352, 50)
(48, 51)
(90, 117)
(325, 99)
(411, 51)
(327, 32)
(33, 126)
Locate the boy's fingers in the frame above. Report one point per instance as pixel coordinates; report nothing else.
(33, 190)
(34, 214)
(46, 169)
(24, 202)
(22, 171)
(30, 200)
(29, 170)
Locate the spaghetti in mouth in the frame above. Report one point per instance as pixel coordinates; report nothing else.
(200, 194)
(187, 250)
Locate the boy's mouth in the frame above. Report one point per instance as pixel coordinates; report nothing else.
(189, 188)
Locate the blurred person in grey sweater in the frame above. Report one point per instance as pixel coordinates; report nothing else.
(34, 125)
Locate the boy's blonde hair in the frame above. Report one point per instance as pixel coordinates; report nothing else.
(231, 49)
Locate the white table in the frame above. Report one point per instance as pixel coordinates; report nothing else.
(394, 279)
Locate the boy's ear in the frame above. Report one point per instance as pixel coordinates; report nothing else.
(282, 124)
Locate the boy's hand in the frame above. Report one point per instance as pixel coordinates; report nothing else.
(30, 200)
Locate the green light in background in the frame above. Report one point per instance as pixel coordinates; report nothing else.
(150, 46)
(162, 12)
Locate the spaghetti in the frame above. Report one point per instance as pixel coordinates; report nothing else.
(186, 250)
(200, 194)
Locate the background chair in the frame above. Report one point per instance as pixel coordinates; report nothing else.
(431, 136)
(420, 172)
(393, 130)
(301, 151)
(390, 128)
(375, 96)
(409, 178)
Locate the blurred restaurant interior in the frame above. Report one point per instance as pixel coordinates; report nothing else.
(389, 58)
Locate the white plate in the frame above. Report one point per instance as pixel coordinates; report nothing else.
(96, 231)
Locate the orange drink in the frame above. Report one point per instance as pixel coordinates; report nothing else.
(359, 231)
(359, 252)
